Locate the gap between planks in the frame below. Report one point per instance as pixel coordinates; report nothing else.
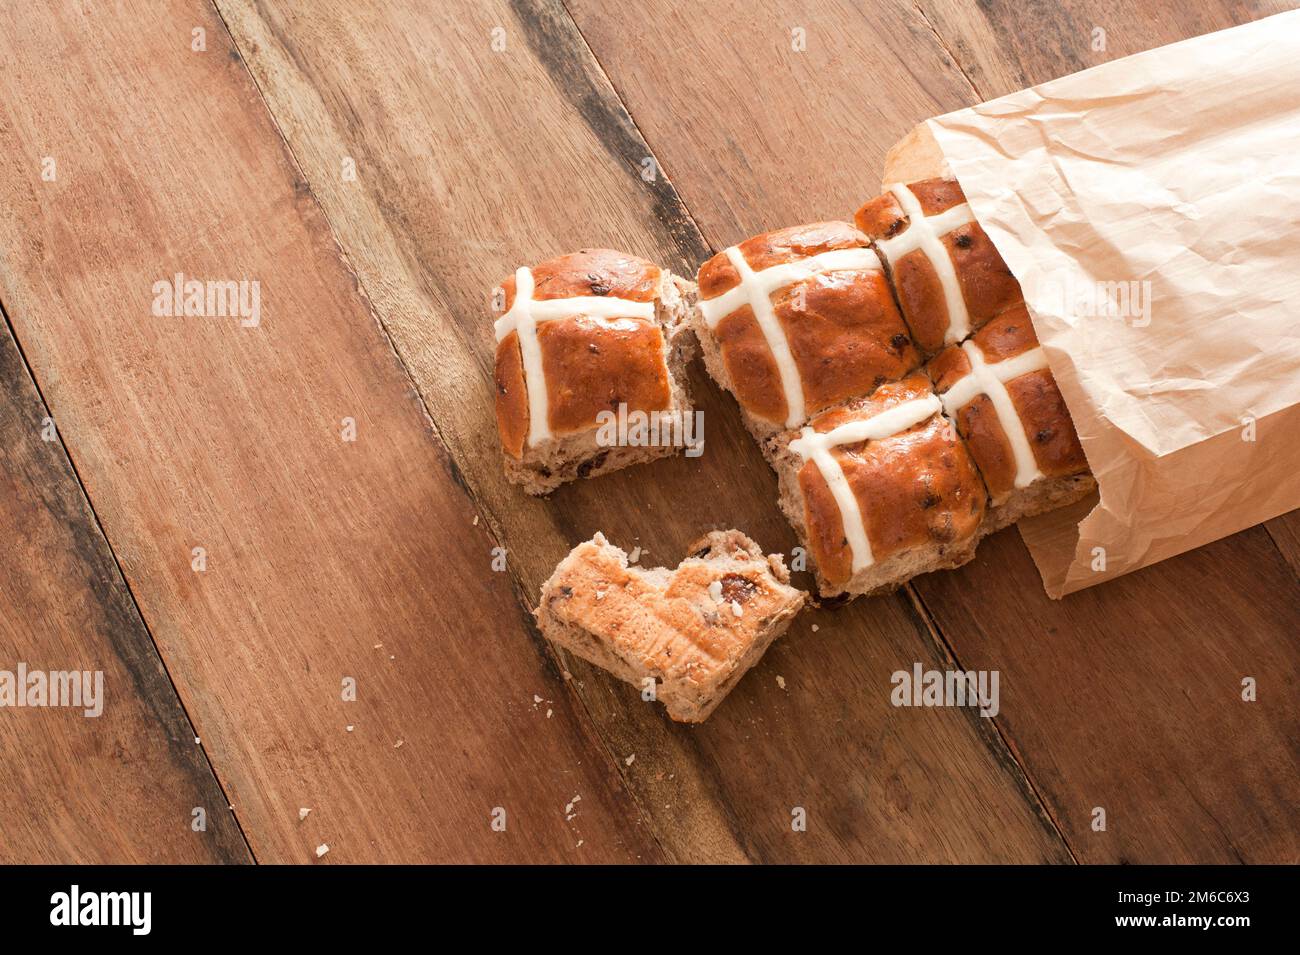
(997, 746)
(493, 523)
(121, 578)
(947, 48)
(944, 647)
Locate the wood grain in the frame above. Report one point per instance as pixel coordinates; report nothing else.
(1128, 697)
(326, 559)
(1005, 45)
(1285, 531)
(485, 135)
(1081, 731)
(471, 161)
(120, 787)
(756, 134)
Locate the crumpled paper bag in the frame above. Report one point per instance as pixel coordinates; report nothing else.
(1150, 207)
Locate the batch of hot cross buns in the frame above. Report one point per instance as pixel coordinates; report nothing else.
(887, 369)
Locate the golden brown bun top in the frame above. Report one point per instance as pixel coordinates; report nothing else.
(843, 329)
(882, 218)
(590, 364)
(918, 488)
(986, 285)
(602, 272)
(1008, 335)
(779, 247)
(1040, 410)
(882, 399)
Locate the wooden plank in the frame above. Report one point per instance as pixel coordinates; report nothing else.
(1285, 531)
(757, 134)
(121, 786)
(326, 559)
(1001, 47)
(472, 160)
(882, 79)
(1128, 697)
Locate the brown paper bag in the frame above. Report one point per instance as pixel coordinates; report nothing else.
(1150, 208)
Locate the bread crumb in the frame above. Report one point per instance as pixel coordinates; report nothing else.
(349, 727)
(715, 591)
(398, 744)
(737, 609)
(629, 760)
(302, 813)
(476, 520)
(536, 699)
(569, 811)
(600, 595)
(567, 676)
(816, 628)
(633, 557)
(580, 842)
(780, 681)
(321, 850)
(549, 712)
(197, 741)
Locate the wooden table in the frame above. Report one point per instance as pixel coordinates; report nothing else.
(236, 523)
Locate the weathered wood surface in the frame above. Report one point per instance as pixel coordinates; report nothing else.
(1003, 45)
(485, 135)
(122, 786)
(325, 559)
(1285, 531)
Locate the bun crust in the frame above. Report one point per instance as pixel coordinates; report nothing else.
(841, 325)
(591, 358)
(986, 284)
(919, 495)
(1039, 408)
(595, 272)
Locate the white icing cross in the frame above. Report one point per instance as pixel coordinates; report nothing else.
(525, 312)
(923, 233)
(991, 379)
(816, 446)
(755, 290)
